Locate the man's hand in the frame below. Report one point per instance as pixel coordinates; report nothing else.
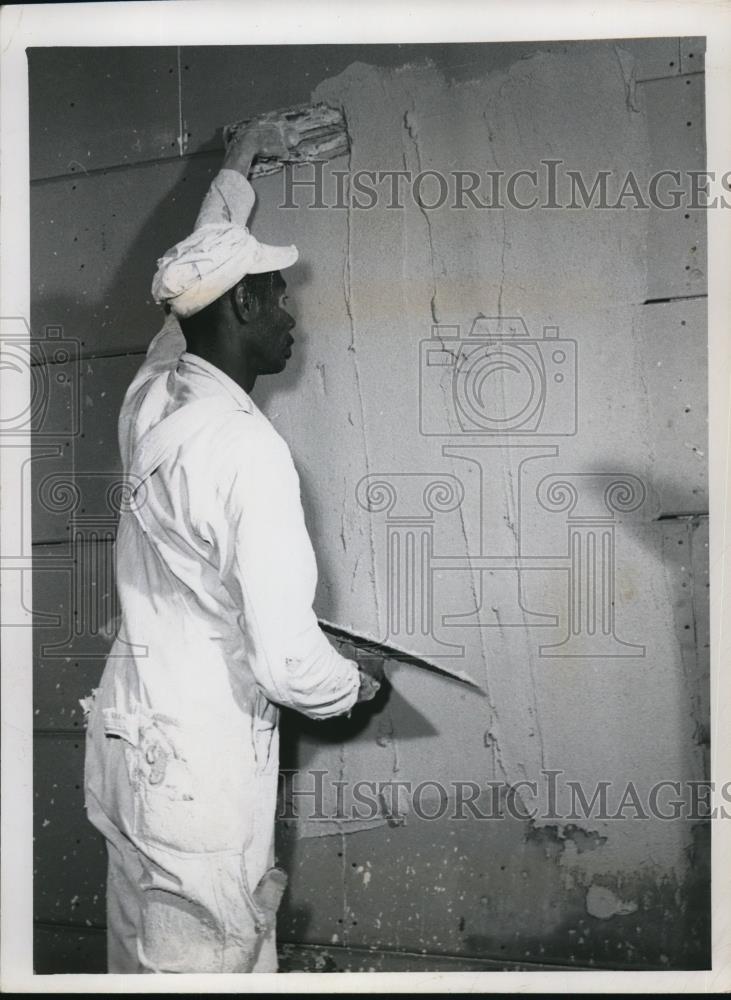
(267, 139)
(371, 676)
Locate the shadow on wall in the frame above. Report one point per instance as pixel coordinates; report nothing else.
(148, 207)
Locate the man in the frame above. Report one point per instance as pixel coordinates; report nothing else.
(216, 578)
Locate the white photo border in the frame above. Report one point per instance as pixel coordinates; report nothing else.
(213, 22)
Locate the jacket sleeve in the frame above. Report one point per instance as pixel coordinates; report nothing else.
(268, 566)
(230, 198)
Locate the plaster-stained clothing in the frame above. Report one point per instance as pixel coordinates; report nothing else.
(216, 578)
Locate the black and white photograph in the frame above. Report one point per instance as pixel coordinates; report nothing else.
(364, 422)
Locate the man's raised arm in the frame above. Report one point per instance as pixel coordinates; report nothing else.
(230, 197)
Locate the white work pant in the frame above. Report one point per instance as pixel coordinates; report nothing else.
(171, 910)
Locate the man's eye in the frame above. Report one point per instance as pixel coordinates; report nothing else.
(283, 301)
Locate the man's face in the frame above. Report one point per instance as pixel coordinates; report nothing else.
(270, 324)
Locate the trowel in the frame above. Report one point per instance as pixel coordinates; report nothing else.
(378, 648)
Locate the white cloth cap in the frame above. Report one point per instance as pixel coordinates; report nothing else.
(200, 268)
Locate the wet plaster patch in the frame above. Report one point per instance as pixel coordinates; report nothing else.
(603, 904)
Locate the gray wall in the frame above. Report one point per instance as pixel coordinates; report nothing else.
(123, 145)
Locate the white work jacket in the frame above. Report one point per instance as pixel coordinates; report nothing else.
(216, 577)
(214, 555)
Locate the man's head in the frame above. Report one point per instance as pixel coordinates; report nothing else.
(246, 331)
(227, 291)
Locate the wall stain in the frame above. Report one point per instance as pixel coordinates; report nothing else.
(554, 838)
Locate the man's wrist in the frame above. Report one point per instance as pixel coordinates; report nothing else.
(368, 687)
(240, 155)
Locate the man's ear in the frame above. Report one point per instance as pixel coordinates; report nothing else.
(243, 302)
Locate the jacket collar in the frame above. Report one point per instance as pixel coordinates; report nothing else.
(210, 380)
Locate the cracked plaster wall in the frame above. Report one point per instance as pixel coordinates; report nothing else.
(372, 284)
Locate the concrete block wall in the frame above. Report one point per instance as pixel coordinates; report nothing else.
(123, 145)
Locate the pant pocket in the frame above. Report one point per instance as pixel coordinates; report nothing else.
(178, 935)
(190, 786)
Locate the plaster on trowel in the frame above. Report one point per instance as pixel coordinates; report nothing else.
(377, 648)
(311, 132)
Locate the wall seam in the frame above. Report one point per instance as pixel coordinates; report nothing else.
(181, 139)
(116, 167)
(59, 733)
